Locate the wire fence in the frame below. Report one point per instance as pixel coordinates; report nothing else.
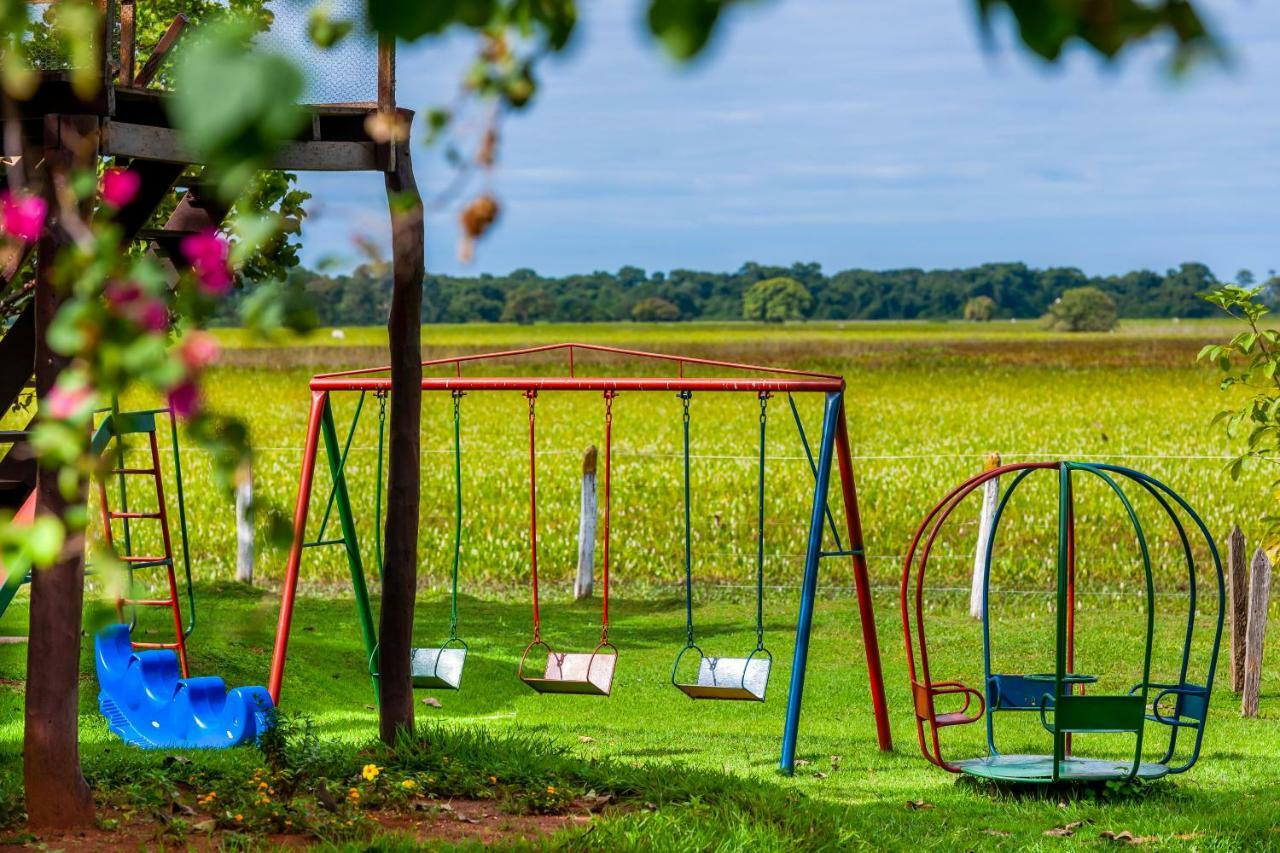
(753, 458)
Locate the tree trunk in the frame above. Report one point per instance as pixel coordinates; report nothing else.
(400, 574)
(56, 792)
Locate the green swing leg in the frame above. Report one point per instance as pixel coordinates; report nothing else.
(347, 523)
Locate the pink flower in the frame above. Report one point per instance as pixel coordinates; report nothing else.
(207, 253)
(122, 294)
(119, 186)
(184, 398)
(23, 216)
(154, 316)
(65, 403)
(198, 350)
(127, 299)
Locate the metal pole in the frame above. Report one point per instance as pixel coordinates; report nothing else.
(347, 522)
(862, 581)
(804, 621)
(244, 524)
(289, 592)
(182, 521)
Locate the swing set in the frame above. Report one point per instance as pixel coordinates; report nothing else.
(591, 672)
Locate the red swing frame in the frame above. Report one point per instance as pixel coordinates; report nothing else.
(758, 379)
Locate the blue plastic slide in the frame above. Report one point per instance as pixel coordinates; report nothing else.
(148, 705)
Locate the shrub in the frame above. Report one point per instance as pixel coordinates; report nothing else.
(1083, 309)
(980, 309)
(654, 310)
(776, 300)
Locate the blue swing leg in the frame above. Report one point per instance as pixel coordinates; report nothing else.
(804, 621)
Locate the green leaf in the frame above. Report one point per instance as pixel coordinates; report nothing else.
(233, 105)
(1047, 27)
(44, 540)
(684, 26)
(323, 30)
(412, 19)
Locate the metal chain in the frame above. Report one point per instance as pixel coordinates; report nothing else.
(377, 508)
(608, 487)
(457, 529)
(685, 397)
(764, 419)
(532, 395)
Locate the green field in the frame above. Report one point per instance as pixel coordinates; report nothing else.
(927, 403)
(853, 796)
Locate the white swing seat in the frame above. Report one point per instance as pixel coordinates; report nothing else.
(579, 673)
(741, 679)
(439, 668)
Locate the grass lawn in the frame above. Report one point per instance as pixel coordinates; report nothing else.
(927, 402)
(707, 771)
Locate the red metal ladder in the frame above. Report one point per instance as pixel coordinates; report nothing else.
(135, 562)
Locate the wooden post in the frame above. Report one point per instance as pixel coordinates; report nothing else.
(1259, 597)
(1238, 603)
(587, 528)
(990, 494)
(56, 792)
(244, 525)
(404, 332)
(128, 48)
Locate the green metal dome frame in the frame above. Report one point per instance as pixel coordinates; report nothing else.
(1063, 709)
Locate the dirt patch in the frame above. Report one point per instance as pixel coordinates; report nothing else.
(478, 821)
(452, 821)
(136, 834)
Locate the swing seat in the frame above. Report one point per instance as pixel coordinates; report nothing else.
(728, 679)
(574, 673)
(439, 668)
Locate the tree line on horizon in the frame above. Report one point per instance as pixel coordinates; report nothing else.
(1015, 290)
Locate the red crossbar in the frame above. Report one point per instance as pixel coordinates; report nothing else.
(824, 381)
(583, 383)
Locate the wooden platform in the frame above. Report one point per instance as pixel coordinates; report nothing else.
(135, 124)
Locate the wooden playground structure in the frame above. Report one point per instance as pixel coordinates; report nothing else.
(126, 121)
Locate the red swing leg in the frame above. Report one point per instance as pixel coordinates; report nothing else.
(853, 526)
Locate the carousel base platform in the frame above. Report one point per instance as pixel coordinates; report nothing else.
(1039, 769)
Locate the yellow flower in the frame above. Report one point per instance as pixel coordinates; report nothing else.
(408, 783)
(551, 789)
(370, 772)
(239, 818)
(353, 794)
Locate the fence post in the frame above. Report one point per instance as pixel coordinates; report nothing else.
(587, 528)
(1238, 603)
(1259, 594)
(990, 493)
(244, 524)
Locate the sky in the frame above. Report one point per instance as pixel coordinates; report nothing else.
(871, 135)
